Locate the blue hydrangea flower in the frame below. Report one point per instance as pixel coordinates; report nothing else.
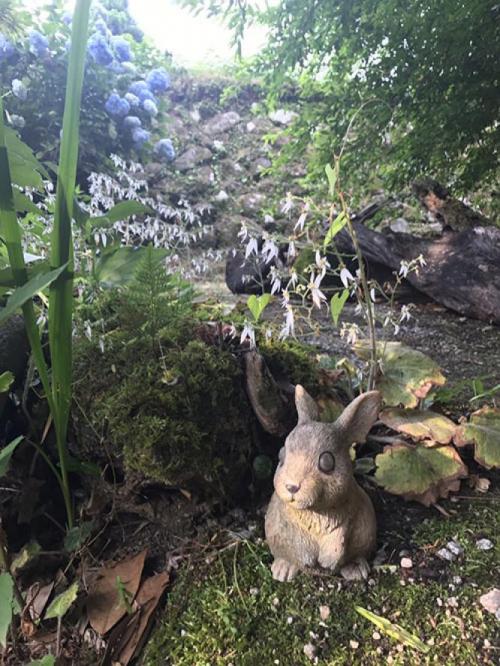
(100, 50)
(165, 150)
(129, 67)
(150, 107)
(67, 18)
(17, 121)
(6, 48)
(19, 89)
(158, 80)
(131, 122)
(132, 99)
(117, 106)
(39, 44)
(140, 137)
(122, 49)
(116, 67)
(141, 90)
(102, 28)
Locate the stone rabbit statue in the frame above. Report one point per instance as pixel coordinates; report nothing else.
(318, 514)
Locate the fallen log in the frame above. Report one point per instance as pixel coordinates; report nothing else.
(461, 271)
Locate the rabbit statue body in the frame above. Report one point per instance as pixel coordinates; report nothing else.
(318, 514)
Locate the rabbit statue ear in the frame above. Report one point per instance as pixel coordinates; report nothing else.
(358, 417)
(307, 409)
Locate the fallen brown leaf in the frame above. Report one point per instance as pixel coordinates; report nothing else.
(103, 603)
(491, 601)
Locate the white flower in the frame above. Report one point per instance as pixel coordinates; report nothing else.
(346, 277)
(251, 248)
(248, 333)
(421, 260)
(289, 327)
(294, 276)
(372, 294)
(275, 280)
(292, 251)
(405, 314)
(404, 268)
(269, 250)
(288, 204)
(322, 263)
(317, 295)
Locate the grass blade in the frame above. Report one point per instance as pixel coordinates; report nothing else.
(393, 630)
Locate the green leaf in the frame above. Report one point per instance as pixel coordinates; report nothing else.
(393, 630)
(82, 466)
(337, 225)
(23, 204)
(337, 305)
(28, 290)
(63, 602)
(121, 211)
(420, 424)
(6, 381)
(27, 553)
(24, 175)
(331, 174)
(257, 305)
(6, 454)
(117, 267)
(6, 601)
(77, 536)
(420, 473)
(406, 375)
(483, 430)
(21, 152)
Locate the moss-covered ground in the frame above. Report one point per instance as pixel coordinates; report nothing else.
(231, 611)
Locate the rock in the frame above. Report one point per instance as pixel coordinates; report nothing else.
(205, 176)
(400, 226)
(406, 563)
(260, 164)
(455, 548)
(324, 612)
(484, 544)
(222, 122)
(191, 157)
(246, 276)
(445, 554)
(283, 116)
(491, 601)
(252, 202)
(222, 195)
(310, 651)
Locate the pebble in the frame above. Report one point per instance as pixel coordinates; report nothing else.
(406, 563)
(324, 612)
(310, 650)
(354, 644)
(455, 548)
(289, 619)
(445, 554)
(457, 580)
(254, 591)
(276, 601)
(484, 544)
(452, 602)
(376, 636)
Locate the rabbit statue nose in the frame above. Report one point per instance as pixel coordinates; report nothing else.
(291, 488)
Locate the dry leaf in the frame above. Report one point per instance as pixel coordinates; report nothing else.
(483, 430)
(103, 604)
(37, 598)
(420, 424)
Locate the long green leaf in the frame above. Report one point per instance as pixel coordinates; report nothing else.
(11, 234)
(338, 223)
(27, 291)
(61, 292)
(6, 599)
(6, 381)
(6, 454)
(121, 211)
(393, 630)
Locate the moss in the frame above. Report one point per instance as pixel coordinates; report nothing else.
(292, 360)
(232, 612)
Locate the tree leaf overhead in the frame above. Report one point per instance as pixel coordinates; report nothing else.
(420, 473)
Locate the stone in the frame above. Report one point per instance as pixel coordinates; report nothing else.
(484, 544)
(283, 116)
(191, 157)
(252, 202)
(222, 122)
(406, 563)
(491, 601)
(400, 226)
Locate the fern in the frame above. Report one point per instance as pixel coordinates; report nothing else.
(155, 299)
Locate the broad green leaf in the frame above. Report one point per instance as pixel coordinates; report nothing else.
(331, 174)
(121, 211)
(6, 603)
(48, 660)
(63, 602)
(393, 630)
(23, 204)
(6, 454)
(117, 267)
(77, 536)
(420, 473)
(420, 424)
(257, 305)
(24, 175)
(337, 225)
(337, 305)
(20, 151)
(27, 553)
(28, 290)
(83, 466)
(6, 381)
(406, 375)
(483, 430)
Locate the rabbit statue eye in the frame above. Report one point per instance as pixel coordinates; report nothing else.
(326, 462)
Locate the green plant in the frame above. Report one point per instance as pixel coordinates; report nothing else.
(57, 385)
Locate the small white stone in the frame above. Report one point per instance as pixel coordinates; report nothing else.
(457, 580)
(310, 651)
(406, 563)
(324, 612)
(376, 636)
(445, 554)
(276, 601)
(251, 126)
(484, 544)
(354, 644)
(452, 602)
(289, 619)
(455, 548)
(439, 602)
(254, 591)
(222, 196)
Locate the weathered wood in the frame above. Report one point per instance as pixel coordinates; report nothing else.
(273, 407)
(461, 272)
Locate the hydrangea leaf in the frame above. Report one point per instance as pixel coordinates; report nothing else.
(407, 375)
(420, 424)
(420, 473)
(483, 430)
